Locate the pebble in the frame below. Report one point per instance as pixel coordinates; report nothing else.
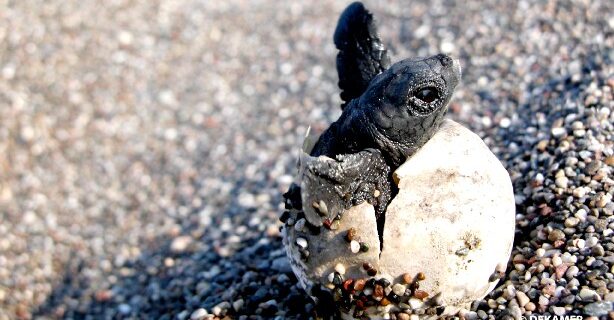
(522, 298)
(180, 244)
(199, 314)
(559, 311)
(399, 289)
(124, 309)
(407, 278)
(301, 242)
(598, 309)
(555, 235)
(562, 182)
(237, 305)
(300, 225)
(588, 295)
(340, 268)
(354, 246)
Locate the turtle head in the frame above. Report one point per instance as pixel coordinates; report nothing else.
(404, 106)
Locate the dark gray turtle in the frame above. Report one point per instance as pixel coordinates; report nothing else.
(388, 114)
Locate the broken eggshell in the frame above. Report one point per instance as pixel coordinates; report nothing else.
(452, 223)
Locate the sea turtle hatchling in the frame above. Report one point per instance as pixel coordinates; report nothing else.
(373, 166)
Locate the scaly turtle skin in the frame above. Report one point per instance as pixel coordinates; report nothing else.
(388, 114)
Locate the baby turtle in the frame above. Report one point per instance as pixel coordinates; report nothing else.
(389, 112)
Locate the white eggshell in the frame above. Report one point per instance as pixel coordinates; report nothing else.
(453, 220)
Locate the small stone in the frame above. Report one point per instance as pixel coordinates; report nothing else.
(415, 303)
(598, 309)
(378, 291)
(543, 301)
(598, 251)
(540, 252)
(571, 222)
(557, 132)
(420, 294)
(331, 277)
(347, 285)
(124, 309)
(301, 242)
(398, 289)
(420, 276)
(384, 302)
(359, 284)
(372, 272)
(559, 311)
(523, 300)
(340, 268)
(407, 278)
(180, 244)
(561, 182)
(482, 314)
(323, 208)
(364, 247)
(603, 200)
(238, 304)
(530, 306)
(199, 314)
(555, 235)
(560, 270)
(282, 265)
(350, 235)
(588, 295)
(354, 246)
(556, 261)
(300, 225)
(403, 316)
(221, 308)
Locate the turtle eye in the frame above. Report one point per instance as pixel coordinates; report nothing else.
(428, 94)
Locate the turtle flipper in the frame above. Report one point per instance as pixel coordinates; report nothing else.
(343, 182)
(362, 54)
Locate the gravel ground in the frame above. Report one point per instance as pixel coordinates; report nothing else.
(144, 147)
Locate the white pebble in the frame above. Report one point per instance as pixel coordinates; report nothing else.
(415, 303)
(556, 261)
(505, 123)
(354, 246)
(592, 241)
(331, 277)
(561, 182)
(340, 268)
(399, 289)
(557, 132)
(579, 243)
(540, 252)
(301, 242)
(559, 311)
(198, 314)
(581, 214)
(523, 299)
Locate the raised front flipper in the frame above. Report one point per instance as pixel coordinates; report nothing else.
(362, 54)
